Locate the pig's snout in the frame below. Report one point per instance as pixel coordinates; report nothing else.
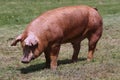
(27, 59)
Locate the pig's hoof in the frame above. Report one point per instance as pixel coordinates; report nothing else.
(53, 68)
(89, 60)
(74, 60)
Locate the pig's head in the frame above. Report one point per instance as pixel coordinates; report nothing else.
(30, 45)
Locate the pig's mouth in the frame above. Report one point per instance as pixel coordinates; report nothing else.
(27, 58)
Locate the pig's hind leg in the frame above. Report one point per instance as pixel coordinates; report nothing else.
(93, 38)
(76, 49)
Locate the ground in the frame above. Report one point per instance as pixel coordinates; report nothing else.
(16, 14)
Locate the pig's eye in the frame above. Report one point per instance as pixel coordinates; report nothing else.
(32, 48)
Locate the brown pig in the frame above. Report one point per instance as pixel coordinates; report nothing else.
(47, 32)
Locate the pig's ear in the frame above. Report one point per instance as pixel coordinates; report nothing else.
(31, 40)
(19, 38)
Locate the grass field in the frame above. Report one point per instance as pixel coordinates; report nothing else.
(16, 14)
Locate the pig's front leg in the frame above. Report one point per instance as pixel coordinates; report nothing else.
(54, 55)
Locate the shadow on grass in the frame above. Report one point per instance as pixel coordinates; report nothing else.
(41, 66)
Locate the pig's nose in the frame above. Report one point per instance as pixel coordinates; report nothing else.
(25, 60)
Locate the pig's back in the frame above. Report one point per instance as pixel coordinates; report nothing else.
(65, 22)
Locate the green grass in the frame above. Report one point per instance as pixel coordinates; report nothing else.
(16, 14)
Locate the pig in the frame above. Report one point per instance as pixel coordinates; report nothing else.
(50, 30)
